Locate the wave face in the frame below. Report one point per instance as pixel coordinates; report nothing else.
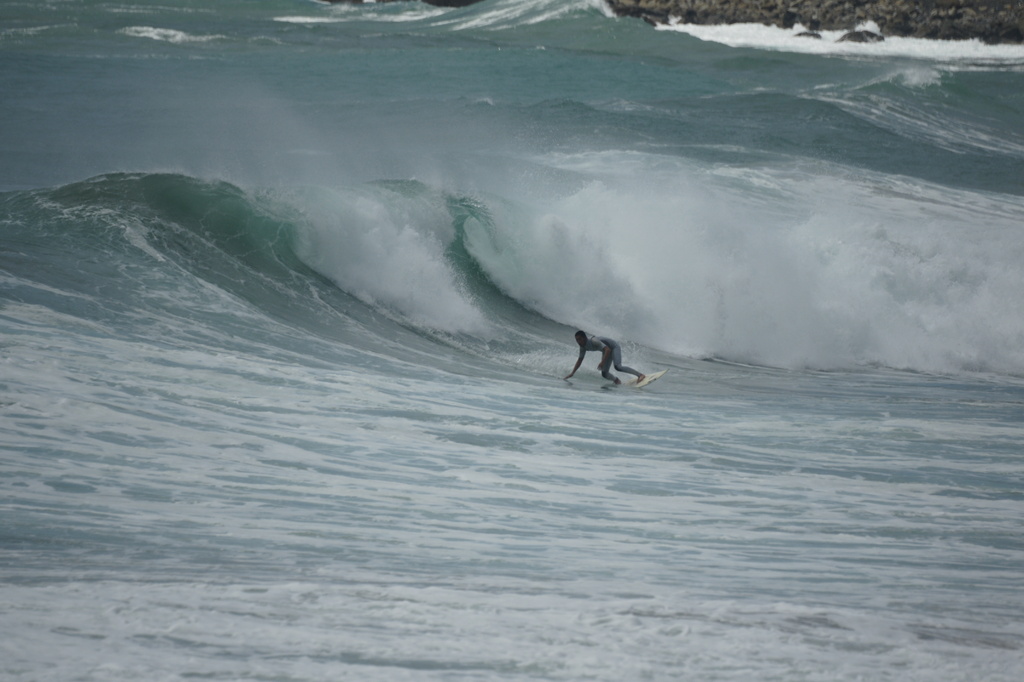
(743, 265)
(288, 292)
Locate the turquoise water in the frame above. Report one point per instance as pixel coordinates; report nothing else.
(287, 293)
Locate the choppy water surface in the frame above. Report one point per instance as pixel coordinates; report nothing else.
(287, 291)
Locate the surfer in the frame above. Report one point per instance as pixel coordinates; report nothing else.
(610, 353)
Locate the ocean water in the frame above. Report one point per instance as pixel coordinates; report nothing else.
(287, 293)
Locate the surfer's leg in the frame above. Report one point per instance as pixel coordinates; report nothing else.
(605, 366)
(617, 357)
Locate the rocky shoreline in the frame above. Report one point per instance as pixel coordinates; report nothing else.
(991, 21)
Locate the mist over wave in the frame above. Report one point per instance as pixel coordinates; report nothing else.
(793, 266)
(798, 266)
(387, 247)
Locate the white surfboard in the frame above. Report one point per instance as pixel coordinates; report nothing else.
(648, 379)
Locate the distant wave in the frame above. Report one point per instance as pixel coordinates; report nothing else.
(167, 35)
(495, 15)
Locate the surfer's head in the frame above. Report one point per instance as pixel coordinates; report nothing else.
(581, 337)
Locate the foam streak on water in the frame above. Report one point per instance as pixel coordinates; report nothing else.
(498, 529)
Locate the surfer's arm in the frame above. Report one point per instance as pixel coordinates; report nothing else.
(579, 361)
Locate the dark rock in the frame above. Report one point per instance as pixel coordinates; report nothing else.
(860, 37)
(808, 34)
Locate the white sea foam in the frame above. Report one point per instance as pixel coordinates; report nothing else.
(276, 519)
(24, 32)
(392, 254)
(340, 17)
(167, 35)
(967, 53)
(783, 266)
(391, 13)
(308, 20)
(505, 14)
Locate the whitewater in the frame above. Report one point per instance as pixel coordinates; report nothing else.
(288, 292)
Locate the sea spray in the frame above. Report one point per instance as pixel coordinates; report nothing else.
(797, 266)
(387, 247)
